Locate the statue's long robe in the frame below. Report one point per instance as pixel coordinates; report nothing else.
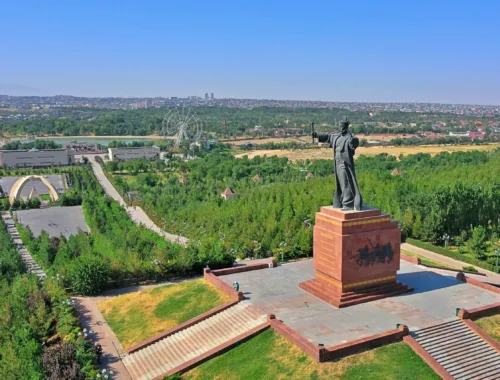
(347, 192)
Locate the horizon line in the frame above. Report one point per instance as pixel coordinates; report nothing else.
(260, 99)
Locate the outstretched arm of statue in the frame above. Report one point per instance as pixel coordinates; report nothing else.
(321, 136)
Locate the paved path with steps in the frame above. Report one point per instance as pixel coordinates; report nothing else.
(491, 277)
(189, 343)
(136, 213)
(31, 265)
(112, 352)
(463, 353)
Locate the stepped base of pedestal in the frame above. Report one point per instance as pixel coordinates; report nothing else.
(331, 294)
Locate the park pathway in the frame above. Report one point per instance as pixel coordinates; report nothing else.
(460, 351)
(192, 342)
(491, 277)
(136, 213)
(31, 265)
(91, 319)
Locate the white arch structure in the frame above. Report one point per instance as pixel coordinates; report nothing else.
(15, 192)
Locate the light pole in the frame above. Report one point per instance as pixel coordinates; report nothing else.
(282, 246)
(497, 252)
(446, 239)
(233, 253)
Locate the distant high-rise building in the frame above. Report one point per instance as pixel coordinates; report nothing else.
(212, 96)
(206, 95)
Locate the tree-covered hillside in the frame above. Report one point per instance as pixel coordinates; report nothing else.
(433, 196)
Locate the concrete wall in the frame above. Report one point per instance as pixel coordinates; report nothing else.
(124, 154)
(36, 158)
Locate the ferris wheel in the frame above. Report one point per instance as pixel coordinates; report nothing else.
(182, 124)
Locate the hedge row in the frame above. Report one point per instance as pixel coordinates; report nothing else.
(453, 255)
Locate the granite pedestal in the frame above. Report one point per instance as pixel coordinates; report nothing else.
(356, 257)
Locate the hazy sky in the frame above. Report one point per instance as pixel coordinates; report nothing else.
(427, 51)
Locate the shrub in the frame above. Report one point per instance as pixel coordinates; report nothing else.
(59, 362)
(89, 274)
(470, 268)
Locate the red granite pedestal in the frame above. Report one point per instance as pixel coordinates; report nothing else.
(356, 257)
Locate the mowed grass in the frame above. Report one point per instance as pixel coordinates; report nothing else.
(491, 325)
(269, 356)
(141, 315)
(427, 261)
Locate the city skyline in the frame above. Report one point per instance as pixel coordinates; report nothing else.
(363, 52)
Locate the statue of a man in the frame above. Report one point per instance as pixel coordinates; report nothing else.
(344, 144)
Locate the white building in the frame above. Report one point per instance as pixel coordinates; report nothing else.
(133, 153)
(36, 158)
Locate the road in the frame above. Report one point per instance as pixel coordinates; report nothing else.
(136, 213)
(491, 277)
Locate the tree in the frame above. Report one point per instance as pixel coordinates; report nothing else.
(89, 274)
(476, 243)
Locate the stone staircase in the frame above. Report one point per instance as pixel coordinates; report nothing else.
(350, 298)
(31, 265)
(461, 352)
(192, 342)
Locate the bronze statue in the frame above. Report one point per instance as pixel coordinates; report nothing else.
(344, 144)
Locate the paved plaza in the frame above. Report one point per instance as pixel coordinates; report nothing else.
(434, 301)
(54, 179)
(56, 221)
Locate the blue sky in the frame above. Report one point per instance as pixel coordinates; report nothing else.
(427, 51)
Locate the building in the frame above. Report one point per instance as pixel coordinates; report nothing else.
(476, 135)
(459, 134)
(309, 175)
(35, 158)
(212, 97)
(132, 195)
(396, 172)
(228, 194)
(82, 147)
(134, 153)
(206, 95)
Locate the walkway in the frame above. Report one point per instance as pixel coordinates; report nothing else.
(31, 265)
(491, 277)
(434, 300)
(136, 213)
(91, 318)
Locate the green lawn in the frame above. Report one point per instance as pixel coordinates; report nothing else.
(491, 325)
(269, 356)
(426, 261)
(141, 315)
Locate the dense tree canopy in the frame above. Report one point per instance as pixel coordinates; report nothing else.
(433, 196)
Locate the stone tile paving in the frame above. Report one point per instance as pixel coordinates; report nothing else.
(434, 301)
(56, 221)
